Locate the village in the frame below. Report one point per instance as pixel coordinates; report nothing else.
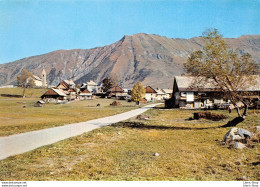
(182, 95)
(67, 91)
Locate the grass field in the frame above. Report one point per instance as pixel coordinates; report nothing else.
(19, 115)
(188, 150)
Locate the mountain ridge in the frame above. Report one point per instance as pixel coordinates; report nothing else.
(148, 58)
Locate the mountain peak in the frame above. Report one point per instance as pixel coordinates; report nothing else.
(149, 58)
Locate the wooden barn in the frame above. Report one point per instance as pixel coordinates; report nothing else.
(53, 95)
(112, 92)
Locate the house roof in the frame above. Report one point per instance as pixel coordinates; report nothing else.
(54, 91)
(256, 86)
(36, 78)
(116, 89)
(167, 91)
(149, 89)
(159, 92)
(190, 83)
(85, 91)
(69, 82)
(91, 83)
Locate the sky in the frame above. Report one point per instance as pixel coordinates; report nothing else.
(34, 27)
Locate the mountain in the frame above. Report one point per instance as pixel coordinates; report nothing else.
(151, 59)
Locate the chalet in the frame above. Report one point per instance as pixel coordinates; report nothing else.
(202, 96)
(150, 94)
(90, 86)
(54, 95)
(113, 92)
(65, 85)
(85, 95)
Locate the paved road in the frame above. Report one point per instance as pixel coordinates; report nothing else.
(21, 143)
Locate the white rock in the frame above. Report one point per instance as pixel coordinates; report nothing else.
(118, 133)
(230, 133)
(156, 154)
(239, 145)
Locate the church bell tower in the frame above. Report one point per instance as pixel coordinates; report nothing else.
(44, 83)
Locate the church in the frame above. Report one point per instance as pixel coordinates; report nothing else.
(40, 82)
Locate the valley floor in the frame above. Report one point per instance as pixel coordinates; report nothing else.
(18, 115)
(188, 150)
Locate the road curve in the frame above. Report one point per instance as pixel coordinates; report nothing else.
(24, 142)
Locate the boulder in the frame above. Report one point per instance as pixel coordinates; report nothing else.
(143, 117)
(239, 145)
(245, 133)
(156, 154)
(236, 134)
(230, 134)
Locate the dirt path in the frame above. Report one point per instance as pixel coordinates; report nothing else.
(21, 143)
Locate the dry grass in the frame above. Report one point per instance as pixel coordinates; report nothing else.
(19, 115)
(188, 150)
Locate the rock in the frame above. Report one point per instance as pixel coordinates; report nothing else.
(118, 133)
(115, 103)
(156, 154)
(257, 129)
(143, 117)
(237, 134)
(98, 104)
(52, 173)
(239, 145)
(230, 133)
(243, 132)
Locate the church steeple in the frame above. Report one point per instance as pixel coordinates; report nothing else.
(44, 83)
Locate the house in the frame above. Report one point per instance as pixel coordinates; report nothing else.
(116, 90)
(160, 95)
(150, 94)
(54, 95)
(90, 86)
(168, 93)
(69, 88)
(65, 85)
(85, 95)
(186, 95)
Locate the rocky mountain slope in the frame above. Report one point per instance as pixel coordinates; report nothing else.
(150, 59)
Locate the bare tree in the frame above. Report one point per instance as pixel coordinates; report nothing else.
(25, 81)
(110, 82)
(229, 71)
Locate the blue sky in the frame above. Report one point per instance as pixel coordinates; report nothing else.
(34, 27)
